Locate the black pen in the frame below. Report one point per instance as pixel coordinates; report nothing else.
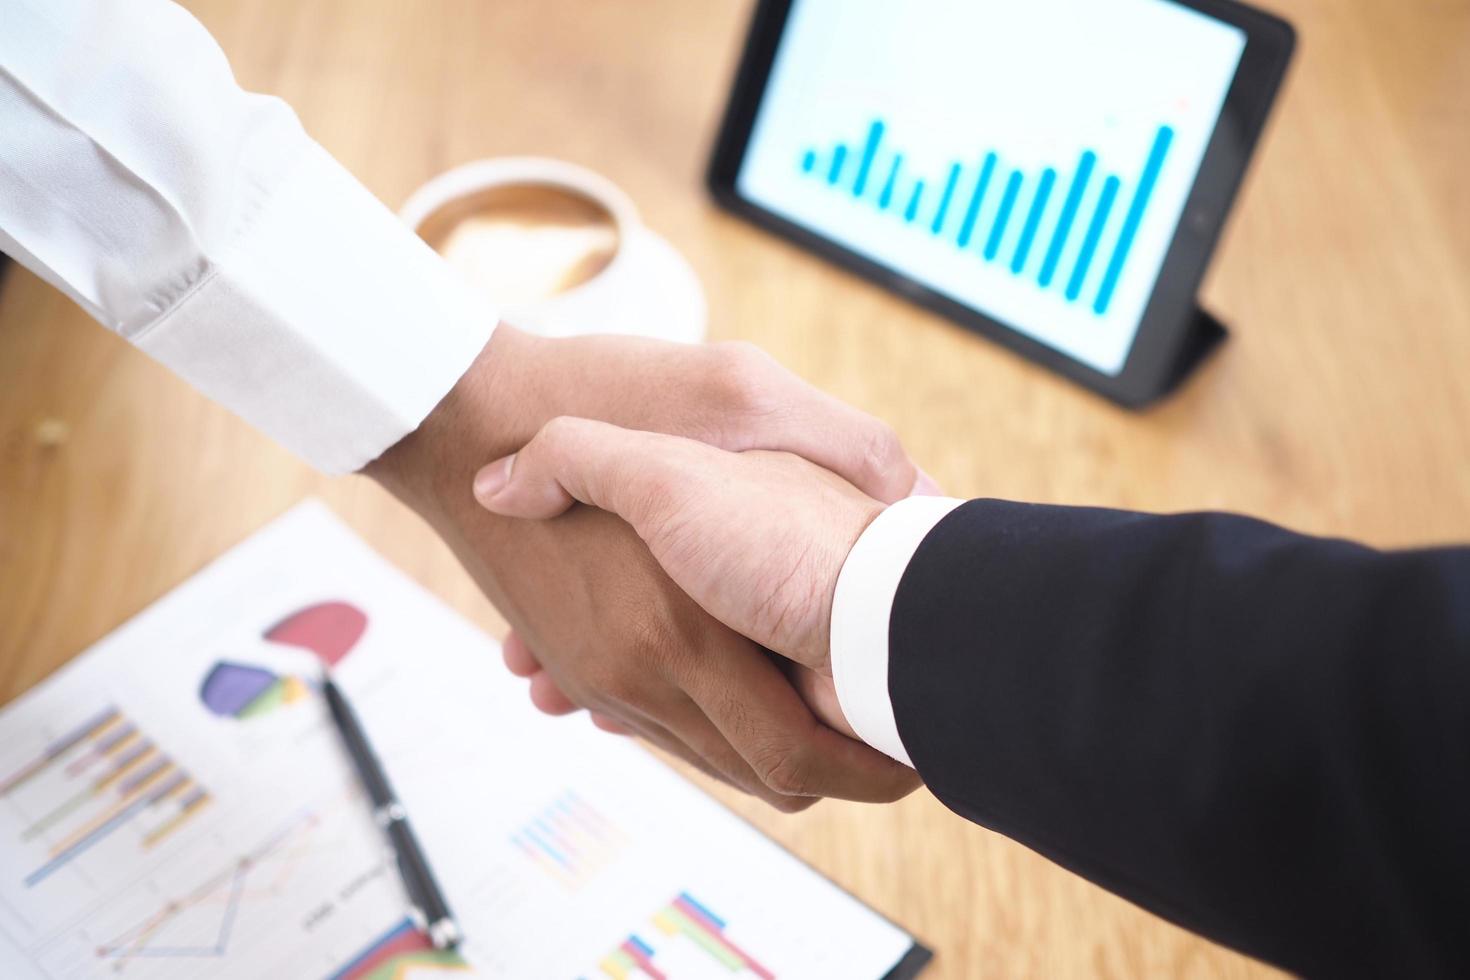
(423, 891)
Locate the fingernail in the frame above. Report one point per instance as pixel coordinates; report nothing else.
(926, 486)
(492, 478)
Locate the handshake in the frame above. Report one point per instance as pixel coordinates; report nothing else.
(688, 601)
(1257, 734)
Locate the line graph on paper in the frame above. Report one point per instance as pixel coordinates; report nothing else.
(132, 846)
(119, 862)
(200, 924)
(307, 892)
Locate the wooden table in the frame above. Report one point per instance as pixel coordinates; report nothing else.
(1342, 405)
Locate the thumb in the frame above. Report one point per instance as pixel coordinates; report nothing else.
(575, 460)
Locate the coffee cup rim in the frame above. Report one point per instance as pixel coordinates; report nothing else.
(482, 175)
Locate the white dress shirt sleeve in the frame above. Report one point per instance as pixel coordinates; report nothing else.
(866, 588)
(202, 223)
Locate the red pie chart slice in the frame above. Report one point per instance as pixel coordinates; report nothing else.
(327, 629)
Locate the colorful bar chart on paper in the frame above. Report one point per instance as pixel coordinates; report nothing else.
(632, 958)
(683, 920)
(569, 840)
(1017, 204)
(403, 951)
(103, 780)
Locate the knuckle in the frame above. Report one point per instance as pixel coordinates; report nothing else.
(739, 354)
(616, 679)
(741, 373)
(620, 687)
(553, 700)
(792, 804)
(659, 488)
(656, 645)
(784, 770)
(900, 787)
(882, 450)
(559, 429)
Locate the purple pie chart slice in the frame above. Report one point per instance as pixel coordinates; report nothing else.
(230, 688)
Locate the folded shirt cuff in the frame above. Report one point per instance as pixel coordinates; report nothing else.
(866, 588)
(325, 323)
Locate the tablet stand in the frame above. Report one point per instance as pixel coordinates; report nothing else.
(1205, 334)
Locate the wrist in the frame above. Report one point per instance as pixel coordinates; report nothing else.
(490, 411)
(862, 604)
(843, 540)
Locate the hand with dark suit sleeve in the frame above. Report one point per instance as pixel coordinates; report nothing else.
(1262, 736)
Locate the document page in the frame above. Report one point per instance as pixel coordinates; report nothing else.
(175, 803)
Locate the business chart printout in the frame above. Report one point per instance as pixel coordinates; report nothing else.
(176, 804)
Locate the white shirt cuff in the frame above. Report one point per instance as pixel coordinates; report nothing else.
(866, 588)
(326, 323)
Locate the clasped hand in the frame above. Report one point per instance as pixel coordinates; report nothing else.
(757, 539)
(639, 608)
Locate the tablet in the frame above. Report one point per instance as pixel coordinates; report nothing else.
(1053, 174)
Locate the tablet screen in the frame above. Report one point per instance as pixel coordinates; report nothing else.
(1030, 159)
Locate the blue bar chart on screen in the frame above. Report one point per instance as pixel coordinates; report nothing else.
(1030, 161)
(1026, 199)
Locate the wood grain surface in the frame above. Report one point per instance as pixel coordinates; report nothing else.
(1341, 405)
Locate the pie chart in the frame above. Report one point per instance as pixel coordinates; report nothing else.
(242, 691)
(328, 630)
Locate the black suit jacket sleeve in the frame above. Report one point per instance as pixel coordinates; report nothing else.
(1261, 736)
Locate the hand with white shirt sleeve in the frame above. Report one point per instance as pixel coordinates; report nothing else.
(758, 539)
(204, 225)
